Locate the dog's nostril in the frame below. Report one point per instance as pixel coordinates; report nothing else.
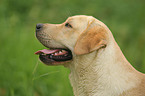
(39, 26)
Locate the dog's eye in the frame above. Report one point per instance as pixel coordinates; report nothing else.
(68, 25)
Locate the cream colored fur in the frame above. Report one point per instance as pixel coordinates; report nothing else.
(100, 70)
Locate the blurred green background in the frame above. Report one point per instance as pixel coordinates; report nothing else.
(22, 74)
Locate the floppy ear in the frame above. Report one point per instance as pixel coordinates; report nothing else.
(91, 40)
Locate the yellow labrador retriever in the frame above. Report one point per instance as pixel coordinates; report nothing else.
(87, 47)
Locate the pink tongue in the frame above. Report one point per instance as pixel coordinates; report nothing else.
(46, 51)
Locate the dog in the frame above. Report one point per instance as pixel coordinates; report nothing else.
(87, 47)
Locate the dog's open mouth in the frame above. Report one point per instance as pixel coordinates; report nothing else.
(54, 56)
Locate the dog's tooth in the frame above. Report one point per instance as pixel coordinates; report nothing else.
(43, 54)
(55, 53)
(60, 52)
(63, 50)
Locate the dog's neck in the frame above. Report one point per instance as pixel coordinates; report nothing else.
(107, 73)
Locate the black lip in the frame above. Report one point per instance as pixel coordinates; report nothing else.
(61, 58)
(50, 59)
(45, 59)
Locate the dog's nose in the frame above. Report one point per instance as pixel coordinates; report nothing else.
(39, 27)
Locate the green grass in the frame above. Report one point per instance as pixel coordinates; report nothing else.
(19, 75)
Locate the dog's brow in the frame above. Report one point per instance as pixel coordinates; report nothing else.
(69, 19)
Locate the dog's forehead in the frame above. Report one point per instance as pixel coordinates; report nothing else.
(80, 18)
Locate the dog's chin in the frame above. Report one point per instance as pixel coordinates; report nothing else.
(55, 56)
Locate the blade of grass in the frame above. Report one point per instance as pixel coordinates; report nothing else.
(45, 75)
(35, 67)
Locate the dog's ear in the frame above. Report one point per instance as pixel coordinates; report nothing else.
(90, 40)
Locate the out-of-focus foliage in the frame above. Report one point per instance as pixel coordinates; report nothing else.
(18, 18)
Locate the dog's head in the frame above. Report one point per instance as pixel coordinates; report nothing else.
(78, 35)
